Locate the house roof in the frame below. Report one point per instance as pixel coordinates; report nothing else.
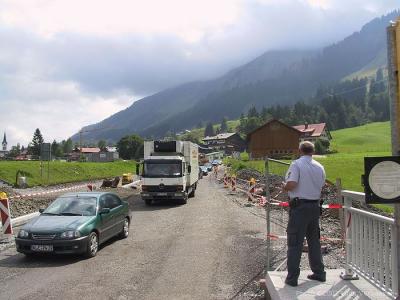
(270, 121)
(221, 136)
(90, 150)
(315, 129)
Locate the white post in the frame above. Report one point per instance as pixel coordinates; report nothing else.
(393, 48)
(268, 215)
(348, 274)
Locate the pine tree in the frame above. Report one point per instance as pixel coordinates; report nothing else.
(54, 148)
(102, 144)
(209, 131)
(252, 113)
(67, 146)
(224, 125)
(36, 143)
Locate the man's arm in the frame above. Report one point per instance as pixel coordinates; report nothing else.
(292, 178)
(289, 186)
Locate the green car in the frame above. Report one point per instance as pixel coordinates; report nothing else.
(75, 223)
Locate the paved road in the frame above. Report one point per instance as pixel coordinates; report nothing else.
(210, 248)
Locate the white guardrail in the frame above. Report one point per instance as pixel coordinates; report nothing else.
(371, 241)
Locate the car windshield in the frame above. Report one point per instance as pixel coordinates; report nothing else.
(72, 206)
(162, 170)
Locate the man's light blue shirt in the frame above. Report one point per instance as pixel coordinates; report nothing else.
(310, 177)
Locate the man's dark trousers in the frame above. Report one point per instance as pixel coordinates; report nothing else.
(304, 222)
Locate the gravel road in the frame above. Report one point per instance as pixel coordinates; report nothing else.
(210, 248)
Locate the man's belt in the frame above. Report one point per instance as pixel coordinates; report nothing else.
(294, 202)
(308, 200)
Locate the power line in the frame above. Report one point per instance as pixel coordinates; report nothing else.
(357, 88)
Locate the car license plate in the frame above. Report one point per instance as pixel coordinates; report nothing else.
(161, 194)
(42, 248)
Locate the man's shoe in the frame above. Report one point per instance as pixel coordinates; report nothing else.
(291, 282)
(321, 277)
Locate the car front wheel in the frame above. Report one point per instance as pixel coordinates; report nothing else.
(93, 245)
(125, 230)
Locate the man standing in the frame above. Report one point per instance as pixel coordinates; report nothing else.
(304, 181)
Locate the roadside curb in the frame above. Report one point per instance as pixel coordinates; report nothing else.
(23, 219)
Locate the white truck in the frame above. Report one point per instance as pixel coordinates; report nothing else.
(170, 170)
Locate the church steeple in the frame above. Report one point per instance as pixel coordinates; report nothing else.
(4, 143)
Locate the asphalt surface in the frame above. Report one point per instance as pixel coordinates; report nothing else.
(210, 248)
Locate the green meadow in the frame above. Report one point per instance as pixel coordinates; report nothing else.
(62, 172)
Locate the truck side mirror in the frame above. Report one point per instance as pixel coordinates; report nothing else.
(189, 169)
(137, 169)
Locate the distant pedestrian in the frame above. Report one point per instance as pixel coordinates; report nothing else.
(304, 181)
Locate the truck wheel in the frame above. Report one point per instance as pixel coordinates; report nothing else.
(192, 193)
(148, 202)
(183, 201)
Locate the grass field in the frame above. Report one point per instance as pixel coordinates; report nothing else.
(373, 137)
(61, 172)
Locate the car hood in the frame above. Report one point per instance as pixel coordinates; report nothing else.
(56, 223)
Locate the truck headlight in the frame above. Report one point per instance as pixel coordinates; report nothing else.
(23, 234)
(70, 234)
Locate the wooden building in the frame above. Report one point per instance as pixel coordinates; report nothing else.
(227, 142)
(273, 139)
(94, 154)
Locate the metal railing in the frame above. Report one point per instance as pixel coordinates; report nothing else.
(371, 241)
(268, 161)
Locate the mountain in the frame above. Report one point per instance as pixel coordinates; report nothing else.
(276, 77)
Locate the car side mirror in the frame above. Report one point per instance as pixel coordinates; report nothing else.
(104, 211)
(41, 210)
(189, 169)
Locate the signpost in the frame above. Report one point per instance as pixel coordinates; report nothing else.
(393, 47)
(382, 179)
(45, 155)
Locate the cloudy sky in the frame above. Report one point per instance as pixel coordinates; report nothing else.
(69, 63)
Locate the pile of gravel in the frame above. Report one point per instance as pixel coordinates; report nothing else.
(329, 192)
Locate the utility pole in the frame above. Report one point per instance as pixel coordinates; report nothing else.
(80, 145)
(393, 47)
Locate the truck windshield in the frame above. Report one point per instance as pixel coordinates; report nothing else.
(162, 169)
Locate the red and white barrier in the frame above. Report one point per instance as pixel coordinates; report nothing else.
(328, 206)
(53, 191)
(225, 181)
(284, 237)
(233, 183)
(5, 214)
(252, 189)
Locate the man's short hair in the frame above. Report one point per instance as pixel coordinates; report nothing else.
(306, 147)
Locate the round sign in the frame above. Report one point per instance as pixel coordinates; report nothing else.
(384, 180)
